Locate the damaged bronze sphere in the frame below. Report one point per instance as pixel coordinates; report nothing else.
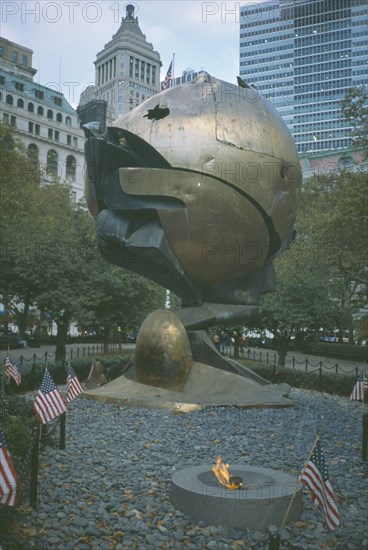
(197, 189)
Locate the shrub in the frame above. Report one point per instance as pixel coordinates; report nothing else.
(326, 382)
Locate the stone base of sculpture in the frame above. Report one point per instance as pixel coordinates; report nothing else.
(184, 371)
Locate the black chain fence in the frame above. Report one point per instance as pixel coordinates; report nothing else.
(271, 358)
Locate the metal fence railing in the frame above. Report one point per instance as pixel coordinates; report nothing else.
(271, 358)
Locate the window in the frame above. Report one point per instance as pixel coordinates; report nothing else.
(9, 99)
(68, 121)
(57, 135)
(58, 101)
(68, 139)
(70, 169)
(59, 117)
(39, 94)
(50, 133)
(1, 51)
(32, 152)
(15, 57)
(75, 142)
(20, 103)
(31, 107)
(136, 69)
(19, 86)
(50, 114)
(30, 127)
(13, 121)
(24, 60)
(37, 129)
(2, 79)
(40, 110)
(52, 160)
(6, 118)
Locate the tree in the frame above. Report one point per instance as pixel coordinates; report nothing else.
(19, 192)
(50, 257)
(334, 217)
(355, 110)
(322, 278)
(301, 301)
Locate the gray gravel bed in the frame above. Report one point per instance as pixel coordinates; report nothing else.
(110, 488)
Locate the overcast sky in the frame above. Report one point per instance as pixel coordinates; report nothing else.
(65, 36)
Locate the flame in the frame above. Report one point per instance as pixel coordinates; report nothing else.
(221, 471)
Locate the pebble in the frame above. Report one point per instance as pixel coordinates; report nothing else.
(110, 488)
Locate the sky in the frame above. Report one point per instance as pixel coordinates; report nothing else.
(66, 35)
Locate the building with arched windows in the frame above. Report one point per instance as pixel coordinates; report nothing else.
(43, 119)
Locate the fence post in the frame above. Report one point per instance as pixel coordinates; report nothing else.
(320, 376)
(267, 358)
(77, 353)
(46, 356)
(294, 362)
(337, 368)
(306, 364)
(33, 371)
(260, 356)
(34, 466)
(62, 431)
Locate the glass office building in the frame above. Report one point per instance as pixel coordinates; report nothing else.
(304, 55)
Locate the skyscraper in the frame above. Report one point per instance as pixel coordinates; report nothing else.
(304, 55)
(127, 70)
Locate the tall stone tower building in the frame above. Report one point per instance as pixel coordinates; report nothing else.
(127, 70)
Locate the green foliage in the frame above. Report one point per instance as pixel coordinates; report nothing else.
(355, 110)
(50, 258)
(322, 278)
(327, 382)
(32, 373)
(17, 421)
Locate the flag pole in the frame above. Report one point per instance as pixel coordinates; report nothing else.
(301, 475)
(173, 70)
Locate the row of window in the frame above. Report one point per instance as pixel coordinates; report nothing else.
(16, 57)
(278, 48)
(322, 67)
(52, 162)
(35, 129)
(36, 92)
(323, 145)
(9, 100)
(141, 70)
(106, 71)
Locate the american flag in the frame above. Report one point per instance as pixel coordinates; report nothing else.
(360, 387)
(168, 77)
(13, 370)
(8, 476)
(49, 403)
(73, 386)
(315, 478)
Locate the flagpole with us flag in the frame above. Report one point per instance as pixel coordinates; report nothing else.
(316, 478)
(169, 75)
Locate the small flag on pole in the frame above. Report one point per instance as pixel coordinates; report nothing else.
(168, 77)
(8, 476)
(73, 386)
(13, 370)
(315, 478)
(49, 403)
(360, 387)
